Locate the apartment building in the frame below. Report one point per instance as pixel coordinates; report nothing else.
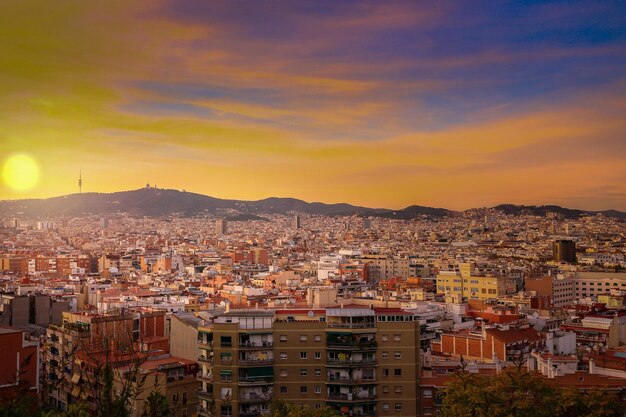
(465, 284)
(358, 360)
(78, 348)
(595, 283)
(560, 290)
(380, 267)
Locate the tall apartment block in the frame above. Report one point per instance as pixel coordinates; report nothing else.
(358, 360)
(221, 227)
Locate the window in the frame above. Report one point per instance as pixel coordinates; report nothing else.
(428, 393)
(226, 341)
(184, 398)
(318, 372)
(283, 338)
(428, 411)
(283, 390)
(175, 398)
(304, 372)
(397, 371)
(385, 407)
(303, 389)
(397, 337)
(318, 355)
(303, 338)
(385, 389)
(318, 406)
(398, 389)
(398, 406)
(385, 355)
(283, 355)
(318, 389)
(385, 372)
(303, 355)
(283, 372)
(318, 338)
(385, 337)
(397, 355)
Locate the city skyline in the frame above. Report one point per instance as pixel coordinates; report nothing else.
(379, 105)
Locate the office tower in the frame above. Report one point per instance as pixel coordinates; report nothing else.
(296, 222)
(564, 251)
(357, 360)
(80, 182)
(104, 223)
(366, 223)
(221, 226)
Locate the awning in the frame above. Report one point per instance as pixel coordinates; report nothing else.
(226, 372)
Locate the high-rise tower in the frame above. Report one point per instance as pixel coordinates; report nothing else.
(80, 182)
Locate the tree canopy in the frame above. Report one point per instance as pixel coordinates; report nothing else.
(280, 408)
(518, 393)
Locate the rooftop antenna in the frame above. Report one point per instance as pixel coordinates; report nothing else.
(80, 181)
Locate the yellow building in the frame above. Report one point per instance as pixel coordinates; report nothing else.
(465, 285)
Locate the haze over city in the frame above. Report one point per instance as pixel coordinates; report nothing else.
(447, 104)
(296, 208)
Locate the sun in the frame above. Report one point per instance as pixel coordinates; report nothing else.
(20, 172)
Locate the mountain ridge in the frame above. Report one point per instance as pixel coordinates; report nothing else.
(159, 202)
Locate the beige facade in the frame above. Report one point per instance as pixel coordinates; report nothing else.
(184, 336)
(358, 360)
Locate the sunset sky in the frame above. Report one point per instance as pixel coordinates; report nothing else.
(385, 104)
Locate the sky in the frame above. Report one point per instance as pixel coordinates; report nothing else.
(383, 104)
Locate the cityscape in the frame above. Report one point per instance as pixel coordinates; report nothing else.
(312, 209)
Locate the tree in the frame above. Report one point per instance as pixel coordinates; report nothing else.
(280, 408)
(18, 401)
(518, 393)
(156, 405)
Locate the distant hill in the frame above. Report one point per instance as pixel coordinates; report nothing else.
(565, 212)
(161, 202)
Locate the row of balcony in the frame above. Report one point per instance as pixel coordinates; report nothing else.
(351, 397)
(351, 345)
(240, 362)
(243, 345)
(351, 362)
(332, 379)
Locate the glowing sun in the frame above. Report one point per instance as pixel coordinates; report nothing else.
(20, 172)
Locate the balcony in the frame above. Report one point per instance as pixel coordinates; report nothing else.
(249, 414)
(351, 363)
(332, 325)
(367, 397)
(255, 345)
(338, 345)
(205, 359)
(254, 398)
(204, 344)
(256, 362)
(204, 394)
(345, 380)
(202, 376)
(256, 380)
